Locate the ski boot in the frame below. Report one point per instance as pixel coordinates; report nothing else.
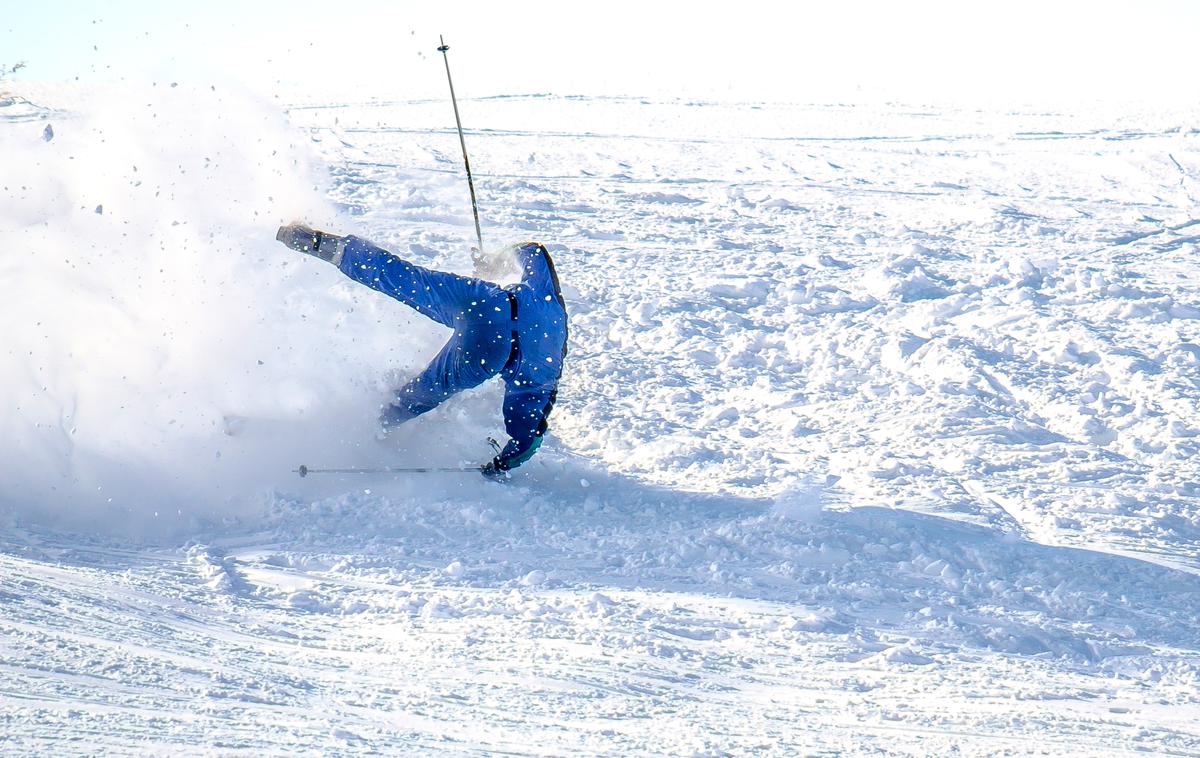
(327, 247)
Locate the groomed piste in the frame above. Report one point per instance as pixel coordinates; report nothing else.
(878, 432)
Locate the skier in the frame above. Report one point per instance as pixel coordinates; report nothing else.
(518, 332)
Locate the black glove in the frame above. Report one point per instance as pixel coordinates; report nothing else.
(327, 247)
(491, 470)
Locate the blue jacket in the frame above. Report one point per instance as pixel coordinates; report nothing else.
(531, 376)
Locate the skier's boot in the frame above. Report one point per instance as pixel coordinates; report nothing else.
(327, 247)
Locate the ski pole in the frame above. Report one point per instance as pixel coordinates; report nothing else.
(462, 141)
(304, 471)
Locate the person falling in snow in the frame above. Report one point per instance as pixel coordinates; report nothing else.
(518, 331)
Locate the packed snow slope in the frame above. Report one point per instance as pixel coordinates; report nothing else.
(878, 433)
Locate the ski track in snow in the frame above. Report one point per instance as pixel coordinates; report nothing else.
(878, 434)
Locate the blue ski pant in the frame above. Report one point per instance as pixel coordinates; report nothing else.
(479, 312)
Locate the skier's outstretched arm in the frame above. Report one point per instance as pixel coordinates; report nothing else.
(525, 412)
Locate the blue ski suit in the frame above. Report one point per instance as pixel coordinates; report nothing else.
(518, 332)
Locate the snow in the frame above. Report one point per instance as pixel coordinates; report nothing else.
(878, 432)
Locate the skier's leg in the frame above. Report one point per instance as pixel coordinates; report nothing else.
(423, 393)
(467, 360)
(442, 296)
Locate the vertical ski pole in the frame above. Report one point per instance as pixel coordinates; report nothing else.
(470, 182)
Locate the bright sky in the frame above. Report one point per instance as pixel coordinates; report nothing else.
(919, 50)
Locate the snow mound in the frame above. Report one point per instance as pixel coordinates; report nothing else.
(800, 502)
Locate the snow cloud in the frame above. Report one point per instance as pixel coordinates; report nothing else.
(162, 352)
